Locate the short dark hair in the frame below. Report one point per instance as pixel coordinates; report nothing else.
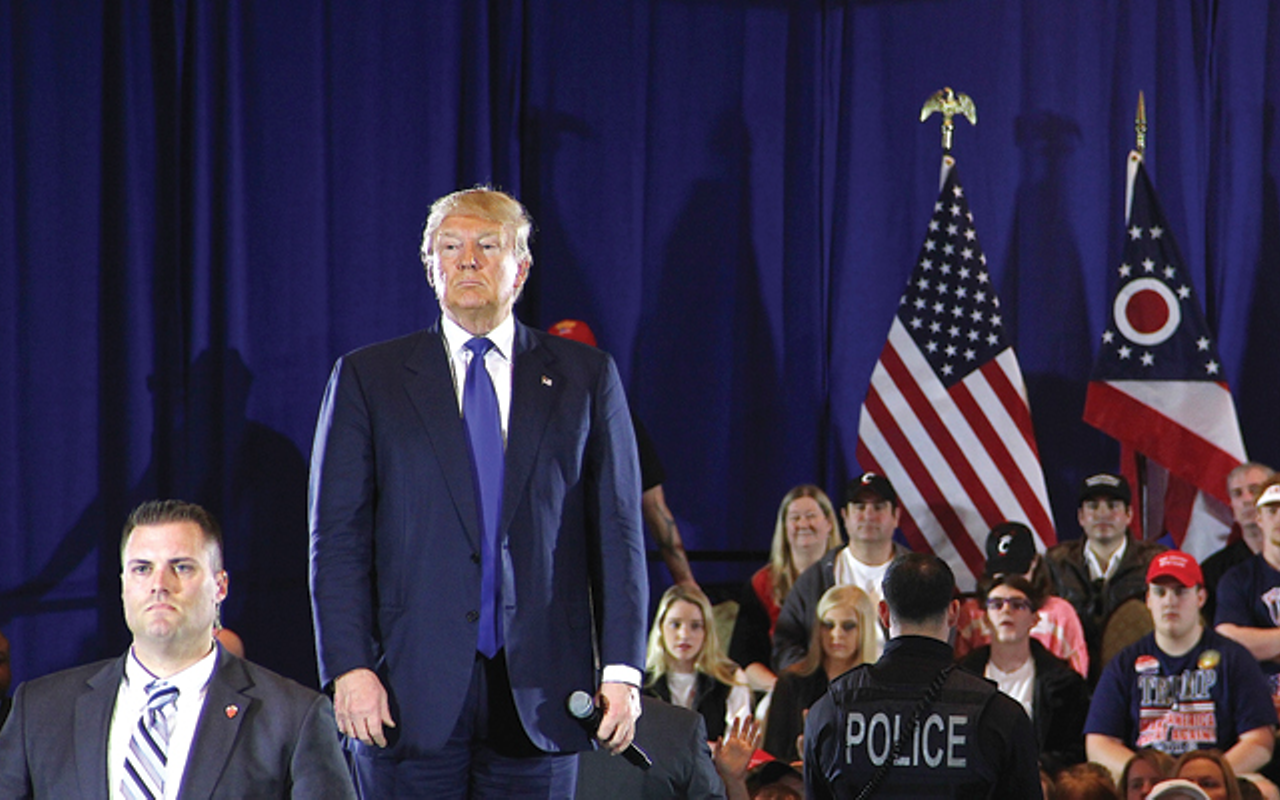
(161, 512)
(918, 587)
(1018, 583)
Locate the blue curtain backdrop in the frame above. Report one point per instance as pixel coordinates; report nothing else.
(202, 205)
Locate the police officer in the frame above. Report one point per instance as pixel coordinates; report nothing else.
(911, 725)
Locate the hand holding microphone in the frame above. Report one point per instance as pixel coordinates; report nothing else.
(583, 708)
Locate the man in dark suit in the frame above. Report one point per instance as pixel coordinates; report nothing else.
(476, 551)
(676, 739)
(177, 711)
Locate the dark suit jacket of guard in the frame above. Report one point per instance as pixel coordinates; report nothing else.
(395, 536)
(675, 739)
(280, 743)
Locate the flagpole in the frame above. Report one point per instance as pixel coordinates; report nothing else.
(1140, 126)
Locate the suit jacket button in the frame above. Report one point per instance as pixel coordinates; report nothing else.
(472, 616)
(475, 558)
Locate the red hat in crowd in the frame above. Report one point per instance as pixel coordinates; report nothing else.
(574, 329)
(1177, 565)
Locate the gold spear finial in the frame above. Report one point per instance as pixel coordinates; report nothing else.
(1140, 125)
(948, 104)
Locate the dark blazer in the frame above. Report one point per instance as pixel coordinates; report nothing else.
(1059, 704)
(1094, 603)
(395, 539)
(675, 739)
(281, 743)
(710, 699)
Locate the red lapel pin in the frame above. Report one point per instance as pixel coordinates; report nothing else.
(232, 710)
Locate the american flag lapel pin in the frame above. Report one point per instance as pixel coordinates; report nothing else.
(546, 381)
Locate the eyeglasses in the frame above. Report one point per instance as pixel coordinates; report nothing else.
(1014, 603)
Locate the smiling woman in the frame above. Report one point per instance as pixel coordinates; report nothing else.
(804, 531)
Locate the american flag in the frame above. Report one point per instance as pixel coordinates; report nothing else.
(1158, 388)
(946, 416)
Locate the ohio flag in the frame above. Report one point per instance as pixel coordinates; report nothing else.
(1158, 389)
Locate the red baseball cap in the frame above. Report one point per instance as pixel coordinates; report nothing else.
(574, 329)
(1177, 565)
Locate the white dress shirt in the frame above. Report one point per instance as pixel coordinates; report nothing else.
(131, 699)
(499, 362)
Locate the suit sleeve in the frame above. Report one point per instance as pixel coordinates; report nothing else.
(620, 579)
(318, 768)
(341, 502)
(15, 774)
(704, 781)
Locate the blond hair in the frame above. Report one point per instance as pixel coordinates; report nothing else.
(782, 565)
(482, 202)
(854, 599)
(710, 659)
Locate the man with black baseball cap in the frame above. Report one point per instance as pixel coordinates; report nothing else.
(871, 513)
(1181, 687)
(1107, 566)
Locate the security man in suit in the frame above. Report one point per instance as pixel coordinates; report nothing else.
(476, 550)
(176, 715)
(967, 740)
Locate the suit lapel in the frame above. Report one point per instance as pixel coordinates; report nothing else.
(429, 382)
(226, 706)
(92, 723)
(535, 385)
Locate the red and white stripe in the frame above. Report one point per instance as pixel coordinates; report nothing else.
(962, 460)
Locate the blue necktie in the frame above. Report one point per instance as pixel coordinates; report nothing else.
(484, 429)
(147, 760)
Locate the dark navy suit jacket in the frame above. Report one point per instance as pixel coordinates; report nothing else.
(395, 538)
(280, 742)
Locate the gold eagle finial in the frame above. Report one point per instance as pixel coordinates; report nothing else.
(948, 104)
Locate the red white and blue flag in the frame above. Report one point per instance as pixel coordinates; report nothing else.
(1158, 389)
(946, 416)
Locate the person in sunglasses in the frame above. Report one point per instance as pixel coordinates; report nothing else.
(1054, 695)
(1183, 686)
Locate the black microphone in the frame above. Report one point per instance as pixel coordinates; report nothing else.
(583, 708)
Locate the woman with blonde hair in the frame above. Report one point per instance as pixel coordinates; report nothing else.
(844, 636)
(804, 531)
(685, 665)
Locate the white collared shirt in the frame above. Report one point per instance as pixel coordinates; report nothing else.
(1104, 571)
(497, 362)
(131, 699)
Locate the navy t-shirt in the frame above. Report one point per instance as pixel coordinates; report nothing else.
(1205, 698)
(1249, 596)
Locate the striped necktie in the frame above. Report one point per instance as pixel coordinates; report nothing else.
(144, 764)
